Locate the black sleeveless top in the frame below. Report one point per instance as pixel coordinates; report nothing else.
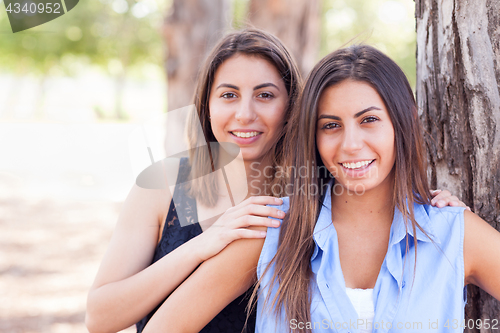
(232, 317)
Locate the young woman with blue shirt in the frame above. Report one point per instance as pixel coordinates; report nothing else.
(368, 252)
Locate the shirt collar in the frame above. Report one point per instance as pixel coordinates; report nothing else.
(324, 225)
(398, 228)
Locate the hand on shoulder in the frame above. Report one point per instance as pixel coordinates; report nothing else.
(249, 219)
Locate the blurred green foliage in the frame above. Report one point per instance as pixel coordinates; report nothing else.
(117, 34)
(388, 25)
(114, 34)
(239, 13)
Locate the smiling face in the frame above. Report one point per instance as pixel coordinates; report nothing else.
(247, 105)
(355, 136)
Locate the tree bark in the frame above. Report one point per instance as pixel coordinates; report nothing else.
(296, 22)
(458, 95)
(191, 29)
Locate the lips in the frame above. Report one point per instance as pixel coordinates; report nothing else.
(245, 137)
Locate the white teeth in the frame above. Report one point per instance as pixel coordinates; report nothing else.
(245, 134)
(356, 165)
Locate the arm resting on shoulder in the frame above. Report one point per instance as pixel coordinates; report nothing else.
(215, 284)
(481, 254)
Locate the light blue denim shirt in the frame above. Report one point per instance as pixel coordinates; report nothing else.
(431, 300)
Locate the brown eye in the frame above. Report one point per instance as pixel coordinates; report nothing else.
(330, 126)
(266, 95)
(228, 95)
(369, 119)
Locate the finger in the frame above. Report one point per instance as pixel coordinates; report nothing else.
(264, 200)
(260, 210)
(435, 192)
(248, 233)
(250, 220)
(441, 203)
(441, 195)
(455, 202)
(255, 200)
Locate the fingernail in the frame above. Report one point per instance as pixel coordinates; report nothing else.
(275, 223)
(263, 233)
(278, 200)
(281, 213)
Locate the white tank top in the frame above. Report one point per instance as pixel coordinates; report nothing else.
(362, 300)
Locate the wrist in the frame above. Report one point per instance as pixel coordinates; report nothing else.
(197, 249)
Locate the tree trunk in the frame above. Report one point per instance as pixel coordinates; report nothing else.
(295, 22)
(191, 29)
(458, 95)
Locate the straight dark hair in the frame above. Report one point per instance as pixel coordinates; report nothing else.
(250, 42)
(292, 272)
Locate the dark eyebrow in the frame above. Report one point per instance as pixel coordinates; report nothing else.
(366, 110)
(267, 84)
(355, 116)
(227, 85)
(329, 117)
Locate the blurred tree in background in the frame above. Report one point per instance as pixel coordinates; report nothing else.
(310, 29)
(296, 22)
(458, 95)
(119, 36)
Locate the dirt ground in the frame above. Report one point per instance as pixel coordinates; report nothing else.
(50, 250)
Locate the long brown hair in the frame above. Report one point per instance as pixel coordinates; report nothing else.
(292, 271)
(251, 42)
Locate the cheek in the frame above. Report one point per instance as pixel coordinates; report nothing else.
(326, 150)
(218, 115)
(389, 145)
(275, 117)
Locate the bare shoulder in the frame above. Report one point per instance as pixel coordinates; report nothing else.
(142, 200)
(135, 236)
(481, 259)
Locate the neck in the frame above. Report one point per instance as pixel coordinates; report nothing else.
(258, 173)
(253, 173)
(372, 209)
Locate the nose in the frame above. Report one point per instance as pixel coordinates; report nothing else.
(352, 140)
(245, 112)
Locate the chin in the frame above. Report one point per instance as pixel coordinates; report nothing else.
(249, 157)
(354, 187)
